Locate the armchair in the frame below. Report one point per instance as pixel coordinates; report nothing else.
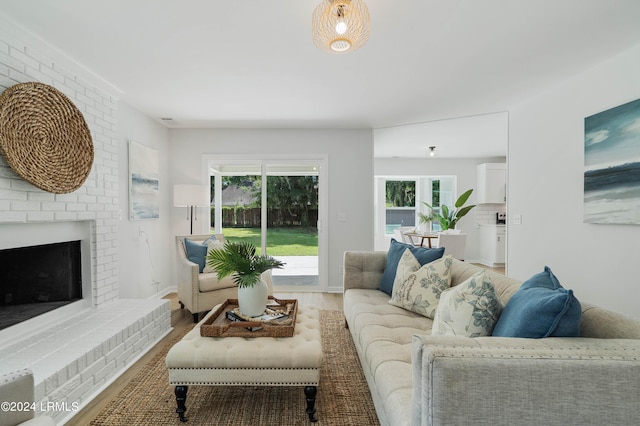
(17, 387)
(201, 291)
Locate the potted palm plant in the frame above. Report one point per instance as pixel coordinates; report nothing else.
(241, 260)
(447, 217)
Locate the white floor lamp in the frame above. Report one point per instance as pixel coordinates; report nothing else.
(191, 196)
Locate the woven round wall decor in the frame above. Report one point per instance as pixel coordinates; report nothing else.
(44, 137)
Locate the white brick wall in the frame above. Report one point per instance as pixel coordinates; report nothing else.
(97, 200)
(75, 359)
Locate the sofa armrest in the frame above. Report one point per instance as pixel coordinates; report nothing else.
(507, 381)
(363, 269)
(18, 387)
(187, 275)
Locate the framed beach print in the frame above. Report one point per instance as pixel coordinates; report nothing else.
(144, 199)
(612, 165)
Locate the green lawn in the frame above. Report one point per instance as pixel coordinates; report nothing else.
(280, 241)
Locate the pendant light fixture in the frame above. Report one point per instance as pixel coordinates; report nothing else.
(432, 151)
(340, 26)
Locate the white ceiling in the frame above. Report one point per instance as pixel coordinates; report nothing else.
(468, 137)
(251, 63)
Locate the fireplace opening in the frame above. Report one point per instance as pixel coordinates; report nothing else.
(38, 279)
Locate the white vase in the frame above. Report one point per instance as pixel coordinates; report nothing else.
(252, 301)
(424, 227)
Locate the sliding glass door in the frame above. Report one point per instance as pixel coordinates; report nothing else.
(292, 222)
(277, 206)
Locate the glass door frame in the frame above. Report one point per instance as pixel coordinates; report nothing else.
(321, 160)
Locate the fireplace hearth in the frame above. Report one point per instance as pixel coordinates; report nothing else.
(38, 279)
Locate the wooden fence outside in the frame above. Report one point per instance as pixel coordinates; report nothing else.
(246, 217)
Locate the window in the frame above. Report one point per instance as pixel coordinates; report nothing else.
(400, 204)
(400, 199)
(435, 202)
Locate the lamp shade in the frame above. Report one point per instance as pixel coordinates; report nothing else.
(340, 26)
(191, 195)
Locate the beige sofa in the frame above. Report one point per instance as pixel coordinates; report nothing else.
(201, 291)
(17, 398)
(419, 379)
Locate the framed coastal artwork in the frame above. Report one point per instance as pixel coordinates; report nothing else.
(612, 165)
(144, 198)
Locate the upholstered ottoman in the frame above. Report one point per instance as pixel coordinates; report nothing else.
(249, 361)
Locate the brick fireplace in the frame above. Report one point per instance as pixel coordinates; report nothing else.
(29, 242)
(38, 279)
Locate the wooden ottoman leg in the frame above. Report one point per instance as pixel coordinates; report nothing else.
(310, 392)
(181, 399)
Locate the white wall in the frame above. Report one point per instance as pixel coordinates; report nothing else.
(465, 171)
(546, 165)
(144, 244)
(350, 158)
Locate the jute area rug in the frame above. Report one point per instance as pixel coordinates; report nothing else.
(343, 396)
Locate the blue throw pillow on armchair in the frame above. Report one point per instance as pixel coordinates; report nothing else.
(197, 251)
(396, 249)
(540, 308)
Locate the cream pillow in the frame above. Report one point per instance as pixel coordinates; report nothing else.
(407, 265)
(469, 309)
(420, 291)
(213, 245)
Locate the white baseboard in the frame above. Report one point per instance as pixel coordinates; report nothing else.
(162, 293)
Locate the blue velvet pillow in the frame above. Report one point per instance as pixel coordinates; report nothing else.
(197, 252)
(540, 308)
(396, 249)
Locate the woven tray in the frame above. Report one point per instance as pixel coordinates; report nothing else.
(44, 137)
(217, 325)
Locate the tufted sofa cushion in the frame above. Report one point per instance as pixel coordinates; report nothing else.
(383, 335)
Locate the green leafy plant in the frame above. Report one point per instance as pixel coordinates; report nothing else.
(448, 218)
(240, 258)
(426, 217)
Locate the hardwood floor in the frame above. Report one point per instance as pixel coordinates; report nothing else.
(181, 319)
(499, 269)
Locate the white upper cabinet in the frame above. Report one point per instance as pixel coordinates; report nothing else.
(492, 183)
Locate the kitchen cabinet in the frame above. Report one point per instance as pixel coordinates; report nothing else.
(493, 244)
(492, 183)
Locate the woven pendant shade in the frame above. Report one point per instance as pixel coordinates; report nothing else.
(44, 137)
(340, 26)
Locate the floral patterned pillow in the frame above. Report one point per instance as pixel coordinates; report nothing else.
(419, 291)
(469, 309)
(407, 265)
